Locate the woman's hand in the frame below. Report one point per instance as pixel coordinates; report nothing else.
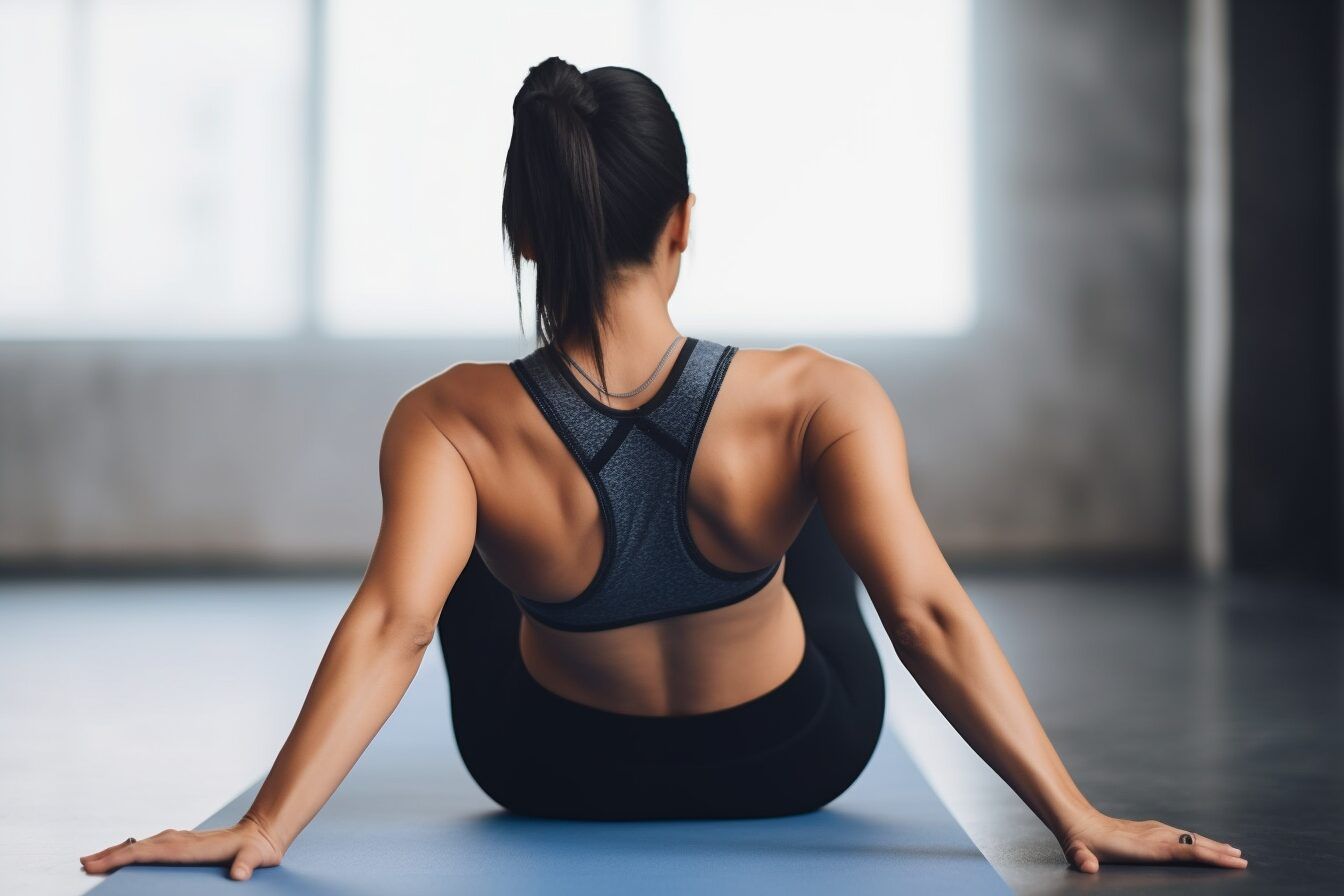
(1098, 838)
(243, 847)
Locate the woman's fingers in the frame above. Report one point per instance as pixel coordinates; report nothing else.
(102, 852)
(1209, 854)
(109, 859)
(1199, 854)
(180, 848)
(105, 856)
(1216, 844)
(170, 847)
(1203, 850)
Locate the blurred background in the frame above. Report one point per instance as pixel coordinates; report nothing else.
(232, 233)
(1090, 247)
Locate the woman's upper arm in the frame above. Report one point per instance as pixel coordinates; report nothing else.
(854, 454)
(428, 524)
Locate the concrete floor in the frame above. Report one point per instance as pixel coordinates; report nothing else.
(131, 706)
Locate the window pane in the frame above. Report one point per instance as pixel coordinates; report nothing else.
(829, 150)
(185, 154)
(828, 147)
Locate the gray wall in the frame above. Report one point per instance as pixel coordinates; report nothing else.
(1054, 429)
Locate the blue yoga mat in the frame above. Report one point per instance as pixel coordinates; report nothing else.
(409, 820)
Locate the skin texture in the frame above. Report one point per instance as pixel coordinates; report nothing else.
(467, 459)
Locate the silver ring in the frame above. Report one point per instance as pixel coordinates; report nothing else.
(1187, 838)
(129, 840)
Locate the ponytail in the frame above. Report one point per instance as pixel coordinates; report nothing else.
(553, 204)
(595, 167)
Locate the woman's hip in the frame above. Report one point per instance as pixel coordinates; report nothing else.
(791, 750)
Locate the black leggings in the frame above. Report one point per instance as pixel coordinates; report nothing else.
(791, 750)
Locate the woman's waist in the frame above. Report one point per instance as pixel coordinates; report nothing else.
(581, 736)
(688, 665)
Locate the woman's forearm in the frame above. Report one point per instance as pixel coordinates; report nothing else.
(364, 673)
(956, 660)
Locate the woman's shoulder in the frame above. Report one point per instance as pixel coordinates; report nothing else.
(799, 370)
(795, 353)
(463, 399)
(460, 384)
(824, 396)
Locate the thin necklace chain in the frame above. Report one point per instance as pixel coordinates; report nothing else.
(638, 389)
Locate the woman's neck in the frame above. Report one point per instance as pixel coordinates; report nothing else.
(638, 332)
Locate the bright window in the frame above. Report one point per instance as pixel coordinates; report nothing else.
(191, 167)
(828, 147)
(150, 167)
(829, 153)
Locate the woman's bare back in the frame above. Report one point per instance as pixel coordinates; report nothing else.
(539, 531)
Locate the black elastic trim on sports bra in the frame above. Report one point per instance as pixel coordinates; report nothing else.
(617, 438)
(665, 614)
(661, 436)
(684, 477)
(599, 490)
(687, 346)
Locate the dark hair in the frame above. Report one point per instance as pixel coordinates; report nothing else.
(595, 167)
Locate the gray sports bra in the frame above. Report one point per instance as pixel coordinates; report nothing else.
(638, 462)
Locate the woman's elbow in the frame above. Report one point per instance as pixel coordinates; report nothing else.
(394, 627)
(915, 625)
(912, 630)
(411, 631)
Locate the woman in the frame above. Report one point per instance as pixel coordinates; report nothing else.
(645, 614)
